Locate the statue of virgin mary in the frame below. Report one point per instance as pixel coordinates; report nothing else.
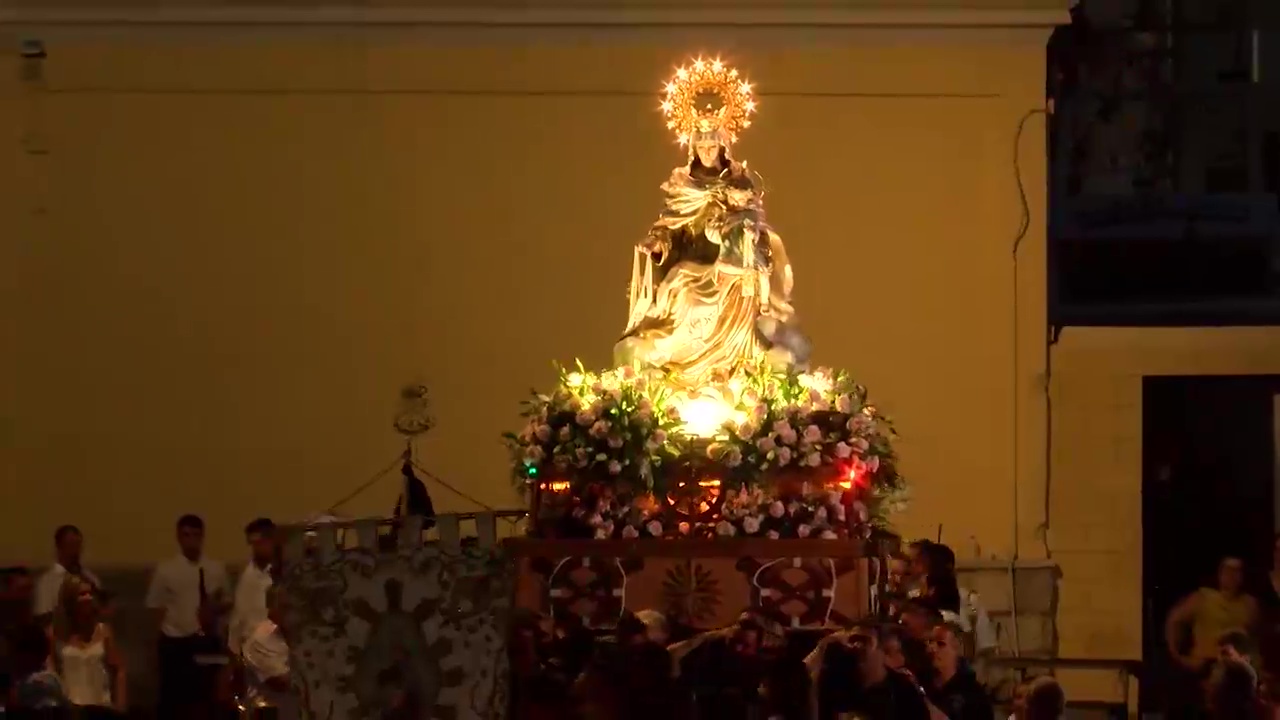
(711, 283)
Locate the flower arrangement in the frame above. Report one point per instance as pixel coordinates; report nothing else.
(814, 429)
(797, 455)
(612, 426)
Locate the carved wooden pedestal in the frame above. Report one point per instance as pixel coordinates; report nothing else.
(702, 583)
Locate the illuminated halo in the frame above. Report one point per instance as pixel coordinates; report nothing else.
(706, 96)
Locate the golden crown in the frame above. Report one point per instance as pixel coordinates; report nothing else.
(707, 96)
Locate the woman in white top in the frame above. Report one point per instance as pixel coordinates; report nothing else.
(84, 654)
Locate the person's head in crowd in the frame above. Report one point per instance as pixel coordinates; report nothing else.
(261, 538)
(656, 626)
(1043, 700)
(78, 607)
(631, 630)
(919, 616)
(867, 641)
(941, 589)
(1234, 693)
(68, 546)
(1235, 645)
(945, 649)
(1230, 575)
(942, 559)
(191, 536)
(899, 570)
(891, 647)
(918, 558)
(18, 597)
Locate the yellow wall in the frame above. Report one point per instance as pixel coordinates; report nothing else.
(1096, 514)
(252, 242)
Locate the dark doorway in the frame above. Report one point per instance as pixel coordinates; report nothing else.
(1208, 489)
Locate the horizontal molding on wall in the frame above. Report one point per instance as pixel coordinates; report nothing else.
(762, 13)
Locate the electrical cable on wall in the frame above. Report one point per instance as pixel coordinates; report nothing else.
(1024, 226)
(1055, 332)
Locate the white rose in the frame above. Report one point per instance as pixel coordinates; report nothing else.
(777, 509)
(843, 450)
(844, 404)
(629, 532)
(543, 433)
(812, 434)
(615, 467)
(655, 528)
(803, 530)
(725, 528)
(784, 456)
(751, 525)
(733, 458)
(814, 459)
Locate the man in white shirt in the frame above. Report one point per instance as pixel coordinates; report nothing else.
(250, 604)
(188, 594)
(266, 661)
(68, 543)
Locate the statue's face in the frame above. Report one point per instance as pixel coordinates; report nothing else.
(708, 152)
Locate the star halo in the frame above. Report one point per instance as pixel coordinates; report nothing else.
(694, 83)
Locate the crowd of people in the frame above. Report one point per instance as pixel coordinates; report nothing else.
(219, 649)
(222, 649)
(914, 660)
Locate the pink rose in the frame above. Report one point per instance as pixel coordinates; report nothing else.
(630, 533)
(812, 434)
(777, 509)
(766, 444)
(843, 450)
(784, 456)
(803, 530)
